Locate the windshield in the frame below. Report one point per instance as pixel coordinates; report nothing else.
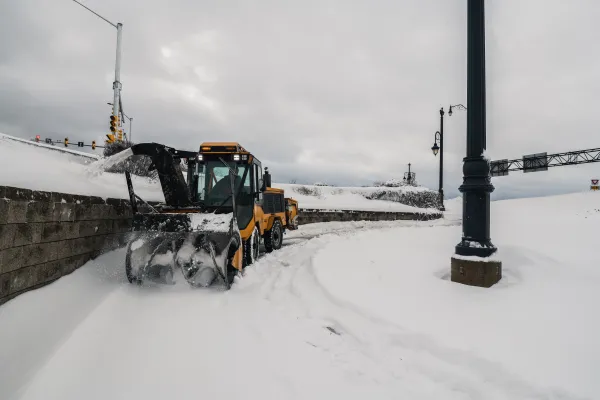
(214, 183)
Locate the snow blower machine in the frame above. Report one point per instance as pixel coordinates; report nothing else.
(211, 224)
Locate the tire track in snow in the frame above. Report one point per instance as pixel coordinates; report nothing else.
(369, 346)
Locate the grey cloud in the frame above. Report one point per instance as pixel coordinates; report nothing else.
(337, 91)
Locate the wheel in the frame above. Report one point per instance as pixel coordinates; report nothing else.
(274, 237)
(251, 247)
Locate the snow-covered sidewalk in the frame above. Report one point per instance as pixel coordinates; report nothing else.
(535, 333)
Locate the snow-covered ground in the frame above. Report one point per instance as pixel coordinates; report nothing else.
(343, 311)
(39, 166)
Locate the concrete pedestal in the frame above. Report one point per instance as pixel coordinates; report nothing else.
(483, 273)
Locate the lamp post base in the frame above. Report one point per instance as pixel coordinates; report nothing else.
(475, 272)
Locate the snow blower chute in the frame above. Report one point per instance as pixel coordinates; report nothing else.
(210, 226)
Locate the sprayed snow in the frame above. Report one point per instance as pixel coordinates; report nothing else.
(163, 258)
(137, 244)
(211, 222)
(99, 167)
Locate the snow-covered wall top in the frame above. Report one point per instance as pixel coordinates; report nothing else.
(39, 166)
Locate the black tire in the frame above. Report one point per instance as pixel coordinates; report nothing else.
(231, 270)
(251, 250)
(231, 273)
(274, 237)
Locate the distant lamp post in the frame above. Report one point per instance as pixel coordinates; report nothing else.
(471, 264)
(435, 148)
(439, 136)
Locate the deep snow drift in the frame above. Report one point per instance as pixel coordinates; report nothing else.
(50, 168)
(345, 310)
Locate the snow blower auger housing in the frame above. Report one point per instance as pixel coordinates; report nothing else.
(212, 223)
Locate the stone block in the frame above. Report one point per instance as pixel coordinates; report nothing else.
(78, 199)
(44, 197)
(25, 234)
(105, 226)
(483, 273)
(116, 203)
(55, 231)
(39, 211)
(121, 225)
(4, 285)
(18, 194)
(83, 212)
(95, 200)
(101, 211)
(11, 259)
(74, 263)
(39, 253)
(17, 211)
(64, 248)
(111, 212)
(88, 228)
(58, 197)
(51, 231)
(4, 210)
(23, 279)
(111, 242)
(82, 245)
(7, 235)
(49, 271)
(64, 212)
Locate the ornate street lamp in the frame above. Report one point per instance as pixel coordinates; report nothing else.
(472, 265)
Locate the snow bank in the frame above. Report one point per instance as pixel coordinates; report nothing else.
(352, 198)
(33, 166)
(539, 323)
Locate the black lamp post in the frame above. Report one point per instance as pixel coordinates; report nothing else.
(477, 186)
(439, 135)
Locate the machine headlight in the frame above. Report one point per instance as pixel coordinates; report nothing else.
(245, 157)
(236, 157)
(200, 157)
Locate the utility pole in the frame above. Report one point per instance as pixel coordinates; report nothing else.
(478, 269)
(441, 188)
(117, 83)
(115, 121)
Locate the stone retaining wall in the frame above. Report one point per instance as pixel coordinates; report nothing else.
(307, 216)
(44, 235)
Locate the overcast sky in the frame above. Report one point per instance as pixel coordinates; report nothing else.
(345, 92)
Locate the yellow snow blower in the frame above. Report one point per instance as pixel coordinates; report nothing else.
(211, 224)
